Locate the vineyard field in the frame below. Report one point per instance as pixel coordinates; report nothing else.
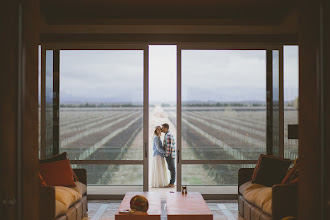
(208, 133)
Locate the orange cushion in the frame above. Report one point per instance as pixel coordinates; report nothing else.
(42, 181)
(292, 176)
(257, 167)
(56, 157)
(294, 181)
(57, 173)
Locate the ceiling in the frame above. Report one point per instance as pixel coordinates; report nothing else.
(170, 21)
(218, 12)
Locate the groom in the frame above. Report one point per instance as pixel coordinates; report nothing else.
(169, 146)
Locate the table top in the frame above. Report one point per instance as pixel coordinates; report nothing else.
(154, 200)
(191, 203)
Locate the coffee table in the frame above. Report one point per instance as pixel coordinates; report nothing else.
(153, 213)
(190, 206)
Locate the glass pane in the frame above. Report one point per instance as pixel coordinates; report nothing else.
(162, 93)
(276, 98)
(211, 174)
(223, 104)
(101, 111)
(106, 174)
(49, 111)
(291, 96)
(39, 101)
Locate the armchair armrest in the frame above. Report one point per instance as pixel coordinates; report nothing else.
(47, 202)
(244, 175)
(81, 174)
(284, 201)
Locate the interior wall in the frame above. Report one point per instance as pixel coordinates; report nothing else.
(326, 83)
(137, 28)
(314, 102)
(19, 109)
(8, 109)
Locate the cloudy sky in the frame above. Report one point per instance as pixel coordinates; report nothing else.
(223, 75)
(207, 75)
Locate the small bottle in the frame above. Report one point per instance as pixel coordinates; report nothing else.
(184, 189)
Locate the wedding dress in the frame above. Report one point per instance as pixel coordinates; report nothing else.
(158, 172)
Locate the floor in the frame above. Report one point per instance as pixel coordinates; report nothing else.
(110, 190)
(106, 210)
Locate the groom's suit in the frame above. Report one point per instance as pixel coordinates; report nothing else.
(169, 143)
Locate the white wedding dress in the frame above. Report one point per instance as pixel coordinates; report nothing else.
(158, 172)
(158, 167)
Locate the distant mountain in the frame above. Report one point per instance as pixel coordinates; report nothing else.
(223, 94)
(190, 95)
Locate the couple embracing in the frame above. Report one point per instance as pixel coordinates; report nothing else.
(163, 149)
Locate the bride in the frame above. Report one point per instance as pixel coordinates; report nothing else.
(158, 169)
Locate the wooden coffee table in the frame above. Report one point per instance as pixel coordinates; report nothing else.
(153, 213)
(190, 206)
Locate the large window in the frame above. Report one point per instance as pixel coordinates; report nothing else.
(101, 109)
(291, 98)
(223, 113)
(49, 104)
(113, 175)
(211, 174)
(101, 112)
(223, 104)
(39, 101)
(93, 110)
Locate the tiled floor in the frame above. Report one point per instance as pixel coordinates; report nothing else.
(106, 210)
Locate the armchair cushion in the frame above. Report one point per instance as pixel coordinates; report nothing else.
(80, 188)
(66, 195)
(259, 195)
(60, 208)
(57, 173)
(243, 187)
(271, 170)
(58, 157)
